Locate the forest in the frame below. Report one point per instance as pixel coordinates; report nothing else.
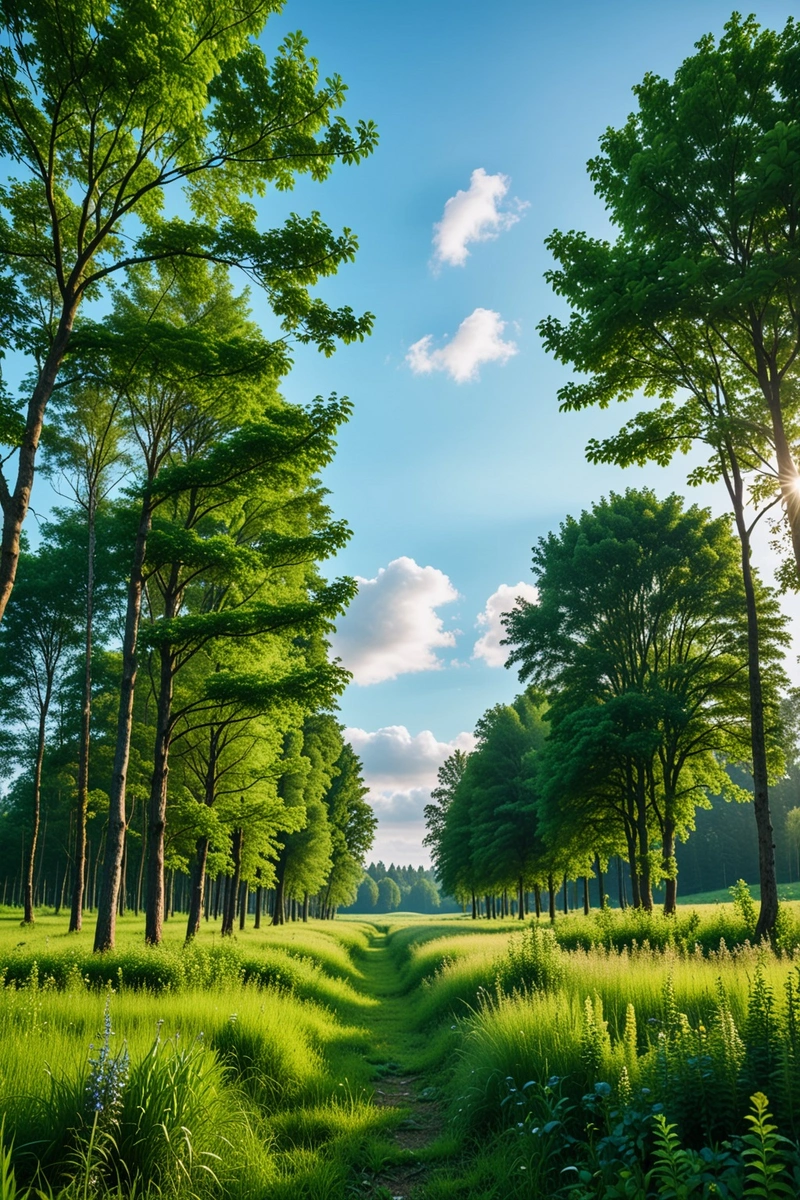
(206, 990)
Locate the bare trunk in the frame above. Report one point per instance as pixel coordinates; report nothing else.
(768, 913)
(229, 915)
(105, 931)
(601, 887)
(15, 504)
(586, 905)
(521, 913)
(35, 813)
(157, 811)
(551, 889)
(196, 893)
(671, 894)
(82, 800)
(278, 915)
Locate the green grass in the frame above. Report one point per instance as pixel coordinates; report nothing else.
(253, 1061)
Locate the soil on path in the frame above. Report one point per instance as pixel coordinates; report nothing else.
(395, 1047)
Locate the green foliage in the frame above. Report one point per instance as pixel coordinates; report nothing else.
(533, 960)
(744, 905)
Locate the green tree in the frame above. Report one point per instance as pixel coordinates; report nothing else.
(109, 114)
(448, 777)
(37, 642)
(640, 606)
(84, 448)
(353, 825)
(694, 301)
(389, 897)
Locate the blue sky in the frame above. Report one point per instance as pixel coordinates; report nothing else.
(457, 480)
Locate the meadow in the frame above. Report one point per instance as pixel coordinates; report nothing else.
(615, 1055)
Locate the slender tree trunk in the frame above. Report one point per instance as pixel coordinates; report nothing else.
(198, 877)
(124, 877)
(82, 799)
(157, 814)
(566, 896)
(671, 893)
(105, 931)
(243, 898)
(257, 916)
(142, 857)
(768, 912)
(551, 888)
(586, 905)
(15, 503)
(601, 888)
(278, 914)
(232, 890)
(537, 899)
(521, 913)
(35, 811)
(474, 907)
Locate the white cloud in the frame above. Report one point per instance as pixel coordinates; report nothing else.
(400, 768)
(478, 340)
(473, 216)
(503, 600)
(392, 627)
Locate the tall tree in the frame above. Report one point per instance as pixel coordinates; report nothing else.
(84, 450)
(40, 634)
(108, 113)
(696, 297)
(641, 606)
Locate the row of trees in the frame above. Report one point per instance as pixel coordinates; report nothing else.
(165, 688)
(637, 655)
(692, 303)
(413, 889)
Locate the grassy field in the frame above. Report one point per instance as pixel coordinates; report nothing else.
(440, 1058)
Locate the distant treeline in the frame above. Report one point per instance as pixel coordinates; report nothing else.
(412, 889)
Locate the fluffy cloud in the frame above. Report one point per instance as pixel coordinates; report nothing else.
(392, 627)
(488, 645)
(473, 216)
(400, 768)
(478, 340)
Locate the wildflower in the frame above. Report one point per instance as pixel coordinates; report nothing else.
(108, 1073)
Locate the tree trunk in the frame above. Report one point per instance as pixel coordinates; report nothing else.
(474, 907)
(671, 894)
(586, 905)
(35, 811)
(232, 890)
(768, 912)
(197, 888)
(278, 914)
(551, 888)
(82, 799)
(537, 899)
(257, 918)
(15, 504)
(601, 887)
(521, 899)
(566, 896)
(244, 894)
(157, 813)
(305, 906)
(105, 931)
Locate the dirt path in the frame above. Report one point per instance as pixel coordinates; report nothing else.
(395, 1047)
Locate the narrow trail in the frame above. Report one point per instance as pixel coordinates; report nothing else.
(394, 1047)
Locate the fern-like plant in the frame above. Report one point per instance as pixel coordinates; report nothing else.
(765, 1168)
